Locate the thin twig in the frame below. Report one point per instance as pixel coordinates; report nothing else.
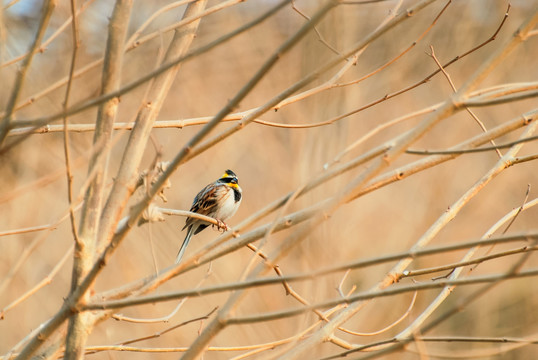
(512, 216)
(470, 151)
(480, 123)
(68, 172)
(320, 37)
(388, 327)
(479, 260)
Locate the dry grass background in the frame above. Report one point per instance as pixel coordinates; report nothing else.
(271, 162)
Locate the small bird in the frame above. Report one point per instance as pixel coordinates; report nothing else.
(219, 200)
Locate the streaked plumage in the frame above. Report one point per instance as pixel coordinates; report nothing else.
(219, 200)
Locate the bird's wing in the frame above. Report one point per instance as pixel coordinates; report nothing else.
(205, 202)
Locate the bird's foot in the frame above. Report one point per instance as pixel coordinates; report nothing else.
(221, 225)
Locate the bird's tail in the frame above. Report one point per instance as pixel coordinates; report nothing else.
(190, 232)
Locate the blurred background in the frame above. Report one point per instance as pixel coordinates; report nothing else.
(271, 162)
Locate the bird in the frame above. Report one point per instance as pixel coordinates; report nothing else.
(219, 200)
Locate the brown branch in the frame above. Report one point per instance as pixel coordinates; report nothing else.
(519, 210)
(479, 260)
(68, 172)
(473, 115)
(502, 99)
(471, 151)
(522, 159)
(513, 218)
(320, 37)
(388, 327)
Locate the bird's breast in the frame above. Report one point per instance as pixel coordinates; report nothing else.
(229, 206)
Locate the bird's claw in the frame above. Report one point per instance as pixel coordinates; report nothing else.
(221, 225)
